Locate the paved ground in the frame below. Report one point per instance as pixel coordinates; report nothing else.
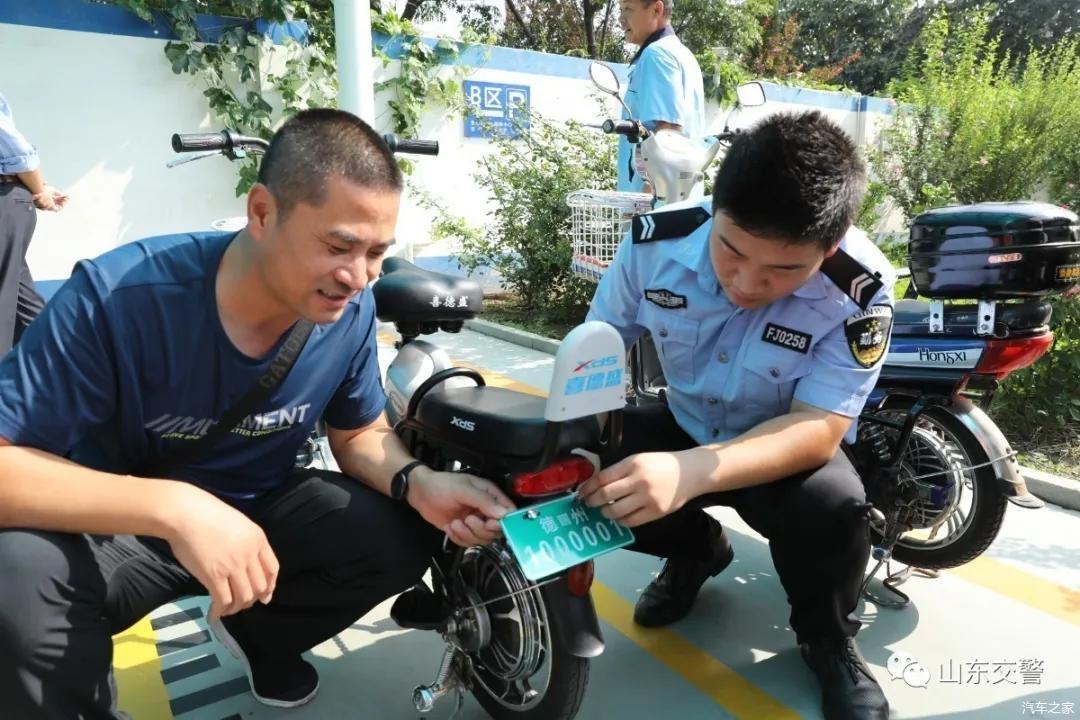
(999, 638)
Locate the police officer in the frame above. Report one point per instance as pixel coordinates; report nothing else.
(665, 89)
(771, 314)
(23, 191)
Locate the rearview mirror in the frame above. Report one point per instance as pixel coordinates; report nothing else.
(750, 94)
(604, 77)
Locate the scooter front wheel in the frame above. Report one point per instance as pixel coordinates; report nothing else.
(519, 666)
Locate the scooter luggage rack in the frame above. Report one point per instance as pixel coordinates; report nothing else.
(599, 219)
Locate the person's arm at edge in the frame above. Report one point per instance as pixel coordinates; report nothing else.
(44, 491)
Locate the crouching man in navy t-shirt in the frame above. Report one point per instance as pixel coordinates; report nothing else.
(140, 354)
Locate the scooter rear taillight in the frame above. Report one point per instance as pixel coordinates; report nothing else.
(1002, 357)
(557, 477)
(579, 578)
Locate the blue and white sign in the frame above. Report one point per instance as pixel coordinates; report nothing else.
(496, 108)
(589, 373)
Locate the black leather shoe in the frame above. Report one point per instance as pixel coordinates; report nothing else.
(277, 682)
(671, 595)
(418, 608)
(848, 688)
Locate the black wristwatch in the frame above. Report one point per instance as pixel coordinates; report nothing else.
(399, 486)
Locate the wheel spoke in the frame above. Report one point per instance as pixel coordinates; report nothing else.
(513, 616)
(525, 690)
(954, 524)
(502, 654)
(490, 572)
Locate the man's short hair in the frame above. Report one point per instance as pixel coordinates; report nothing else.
(314, 145)
(793, 177)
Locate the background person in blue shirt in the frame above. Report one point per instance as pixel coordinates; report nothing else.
(143, 350)
(665, 88)
(771, 315)
(23, 191)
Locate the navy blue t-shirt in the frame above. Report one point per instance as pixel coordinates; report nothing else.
(129, 361)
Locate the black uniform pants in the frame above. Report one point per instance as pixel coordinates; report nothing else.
(815, 523)
(19, 302)
(343, 548)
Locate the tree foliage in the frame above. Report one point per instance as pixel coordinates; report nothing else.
(580, 28)
(869, 37)
(973, 127)
(527, 239)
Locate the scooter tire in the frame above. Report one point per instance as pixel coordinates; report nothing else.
(565, 691)
(988, 504)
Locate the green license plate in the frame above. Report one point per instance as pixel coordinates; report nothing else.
(559, 534)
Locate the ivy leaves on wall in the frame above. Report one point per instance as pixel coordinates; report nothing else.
(250, 85)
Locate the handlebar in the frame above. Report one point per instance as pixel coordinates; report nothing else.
(192, 142)
(628, 128)
(228, 143)
(415, 147)
(225, 141)
(634, 130)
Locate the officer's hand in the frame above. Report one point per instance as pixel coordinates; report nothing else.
(50, 199)
(465, 507)
(641, 488)
(223, 550)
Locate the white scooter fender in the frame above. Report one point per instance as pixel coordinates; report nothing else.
(675, 164)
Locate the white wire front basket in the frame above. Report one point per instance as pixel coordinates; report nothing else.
(599, 219)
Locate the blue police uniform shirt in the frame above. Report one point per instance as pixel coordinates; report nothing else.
(729, 369)
(129, 362)
(17, 155)
(665, 85)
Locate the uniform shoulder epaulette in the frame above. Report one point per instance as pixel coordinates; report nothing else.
(852, 278)
(667, 225)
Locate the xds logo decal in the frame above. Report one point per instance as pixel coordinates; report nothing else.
(469, 425)
(601, 363)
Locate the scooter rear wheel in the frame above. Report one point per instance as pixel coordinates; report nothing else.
(520, 669)
(943, 444)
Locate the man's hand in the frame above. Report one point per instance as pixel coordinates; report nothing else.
(50, 199)
(465, 507)
(642, 488)
(224, 550)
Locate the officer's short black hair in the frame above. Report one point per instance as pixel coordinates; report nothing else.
(315, 144)
(793, 177)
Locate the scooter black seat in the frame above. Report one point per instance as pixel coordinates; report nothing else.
(912, 318)
(409, 294)
(499, 421)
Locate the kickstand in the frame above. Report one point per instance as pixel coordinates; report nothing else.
(448, 680)
(892, 581)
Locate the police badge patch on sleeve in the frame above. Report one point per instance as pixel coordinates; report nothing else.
(868, 334)
(665, 299)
